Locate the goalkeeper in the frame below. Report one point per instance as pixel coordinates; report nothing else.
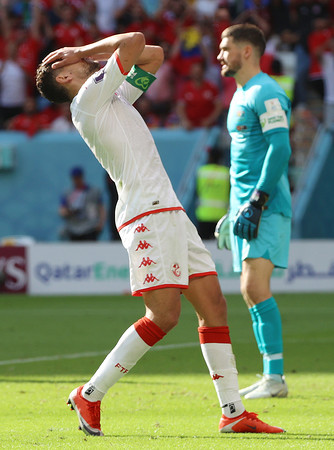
(259, 220)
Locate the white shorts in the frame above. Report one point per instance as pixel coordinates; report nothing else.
(164, 250)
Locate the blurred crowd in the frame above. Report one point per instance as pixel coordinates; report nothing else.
(189, 91)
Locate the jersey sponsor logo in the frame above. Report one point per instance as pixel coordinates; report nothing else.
(216, 376)
(176, 270)
(99, 77)
(141, 228)
(146, 262)
(150, 278)
(242, 127)
(143, 245)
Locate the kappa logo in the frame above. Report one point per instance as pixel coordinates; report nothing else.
(216, 376)
(142, 83)
(176, 270)
(143, 245)
(150, 278)
(147, 262)
(141, 228)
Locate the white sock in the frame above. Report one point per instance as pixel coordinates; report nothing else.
(133, 344)
(129, 349)
(221, 364)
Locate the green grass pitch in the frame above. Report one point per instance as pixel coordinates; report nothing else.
(168, 400)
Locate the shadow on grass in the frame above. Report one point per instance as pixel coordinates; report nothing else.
(234, 436)
(80, 381)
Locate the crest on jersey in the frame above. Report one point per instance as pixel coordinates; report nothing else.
(176, 270)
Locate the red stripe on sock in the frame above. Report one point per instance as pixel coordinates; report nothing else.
(214, 335)
(148, 331)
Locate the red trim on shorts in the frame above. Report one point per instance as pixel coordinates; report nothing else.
(147, 213)
(214, 335)
(148, 331)
(120, 64)
(161, 286)
(203, 274)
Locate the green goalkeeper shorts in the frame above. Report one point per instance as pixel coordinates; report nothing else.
(271, 243)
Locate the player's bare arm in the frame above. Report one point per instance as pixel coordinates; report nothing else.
(151, 58)
(128, 45)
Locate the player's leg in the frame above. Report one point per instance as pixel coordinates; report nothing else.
(267, 327)
(205, 295)
(162, 313)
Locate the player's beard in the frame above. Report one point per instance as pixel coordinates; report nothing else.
(231, 69)
(91, 67)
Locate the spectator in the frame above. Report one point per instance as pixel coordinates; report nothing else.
(198, 104)
(213, 190)
(317, 44)
(327, 63)
(188, 48)
(82, 210)
(63, 122)
(30, 121)
(106, 12)
(302, 15)
(285, 81)
(69, 33)
(162, 92)
(134, 18)
(12, 85)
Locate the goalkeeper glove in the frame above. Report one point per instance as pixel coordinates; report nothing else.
(222, 233)
(248, 217)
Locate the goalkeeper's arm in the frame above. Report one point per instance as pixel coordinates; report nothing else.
(275, 163)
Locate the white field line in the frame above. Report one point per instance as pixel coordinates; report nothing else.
(90, 354)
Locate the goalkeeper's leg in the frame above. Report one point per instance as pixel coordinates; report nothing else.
(267, 327)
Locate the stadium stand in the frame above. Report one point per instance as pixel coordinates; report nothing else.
(188, 30)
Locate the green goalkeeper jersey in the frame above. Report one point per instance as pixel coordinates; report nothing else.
(258, 121)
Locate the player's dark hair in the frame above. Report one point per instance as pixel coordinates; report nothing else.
(249, 33)
(48, 86)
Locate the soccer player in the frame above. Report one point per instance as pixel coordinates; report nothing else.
(165, 252)
(259, 221)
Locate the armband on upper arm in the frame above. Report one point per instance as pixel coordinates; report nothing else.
(139, 78)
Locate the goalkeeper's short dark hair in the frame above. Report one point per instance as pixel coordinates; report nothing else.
(48, 86)
(247, 33)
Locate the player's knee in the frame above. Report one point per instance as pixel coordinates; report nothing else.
(169, 320)
(252, 291)
(214, 313)
(166, 320)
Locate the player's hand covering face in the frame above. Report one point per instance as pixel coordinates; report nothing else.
(62, 57)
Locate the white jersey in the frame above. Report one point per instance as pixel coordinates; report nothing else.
(115, 132)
